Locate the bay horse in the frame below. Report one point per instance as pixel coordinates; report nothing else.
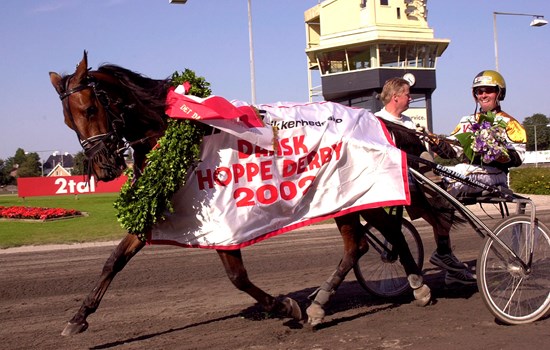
(113, 107)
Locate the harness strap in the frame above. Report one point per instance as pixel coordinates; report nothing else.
(76, 89)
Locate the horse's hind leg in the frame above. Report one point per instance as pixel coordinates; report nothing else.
(355, 245)
(233, 262)
(391, 230)
(125, 250)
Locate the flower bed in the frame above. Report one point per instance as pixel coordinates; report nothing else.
(35, 213)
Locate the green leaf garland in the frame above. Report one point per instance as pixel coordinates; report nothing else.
(144, 202)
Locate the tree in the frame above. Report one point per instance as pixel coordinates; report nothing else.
(540, 122)
(79, 167)
(12, 163)
(5, 176)
(30, 166)
(26, 164)
(19, 157)
(3, 173)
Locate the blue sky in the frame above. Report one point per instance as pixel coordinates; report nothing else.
(210, 37)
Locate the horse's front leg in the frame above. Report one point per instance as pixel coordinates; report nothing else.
(234, 267)
(125, 250)
(355, 245)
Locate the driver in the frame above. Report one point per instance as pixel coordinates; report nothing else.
(488, 89)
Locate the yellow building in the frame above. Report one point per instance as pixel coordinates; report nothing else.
(356, 45)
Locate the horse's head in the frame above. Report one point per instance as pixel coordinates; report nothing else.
(90, 112)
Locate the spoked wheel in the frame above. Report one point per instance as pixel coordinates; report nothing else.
(514, 294)
(379, 270)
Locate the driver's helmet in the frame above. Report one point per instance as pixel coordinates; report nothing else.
(490, 78)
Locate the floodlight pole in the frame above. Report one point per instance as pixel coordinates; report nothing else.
(541, 23)
(252, 69)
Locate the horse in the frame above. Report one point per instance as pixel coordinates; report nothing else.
(112, 108)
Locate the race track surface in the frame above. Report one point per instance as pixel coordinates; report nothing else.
(176, 298)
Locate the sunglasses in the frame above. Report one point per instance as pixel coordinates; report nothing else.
(487, 90)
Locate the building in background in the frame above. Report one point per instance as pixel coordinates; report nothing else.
(354, 46)
(65, 160)
(59, 170)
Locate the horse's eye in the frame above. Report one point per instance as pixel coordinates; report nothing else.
(91, 111)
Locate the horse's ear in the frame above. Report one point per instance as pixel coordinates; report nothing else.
(82, 69)
(56, 82)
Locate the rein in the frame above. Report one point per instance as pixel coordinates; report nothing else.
(434, 140)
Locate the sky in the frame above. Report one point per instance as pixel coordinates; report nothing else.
(210, 37)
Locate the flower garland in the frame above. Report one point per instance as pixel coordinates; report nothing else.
(145, 201)
(487, 141)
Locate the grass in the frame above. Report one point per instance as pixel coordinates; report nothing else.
(530, 180)
(99, 225)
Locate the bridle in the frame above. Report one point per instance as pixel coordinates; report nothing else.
(101, 142)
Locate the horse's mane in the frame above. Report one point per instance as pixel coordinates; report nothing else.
(149, 95)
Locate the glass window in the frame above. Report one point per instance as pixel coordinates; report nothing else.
(411, 56)
(333, 62)
(398, 55)
(359, 57)
(390, 55)
(426, 55)
(429, 60)
(422, 55)
(384, 2)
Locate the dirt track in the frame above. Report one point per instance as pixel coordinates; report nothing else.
(174, 298)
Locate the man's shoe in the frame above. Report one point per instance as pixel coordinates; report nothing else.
(463, 277)
(447, 261)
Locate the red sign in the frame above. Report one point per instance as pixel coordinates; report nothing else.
(62, 185)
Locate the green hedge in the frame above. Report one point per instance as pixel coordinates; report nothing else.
(530, 180)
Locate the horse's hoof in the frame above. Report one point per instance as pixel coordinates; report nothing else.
(422, 295)
(415, 281)
(315, 314)
(74, 328)
(292, 308)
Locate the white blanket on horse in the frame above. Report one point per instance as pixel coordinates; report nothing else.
(331, 160)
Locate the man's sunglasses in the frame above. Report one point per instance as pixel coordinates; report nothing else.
(487, 90)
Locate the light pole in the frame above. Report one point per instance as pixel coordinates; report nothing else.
(536, 150)
(538, 21)
(251, 47)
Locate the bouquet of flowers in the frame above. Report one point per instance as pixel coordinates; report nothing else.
(487, 141)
